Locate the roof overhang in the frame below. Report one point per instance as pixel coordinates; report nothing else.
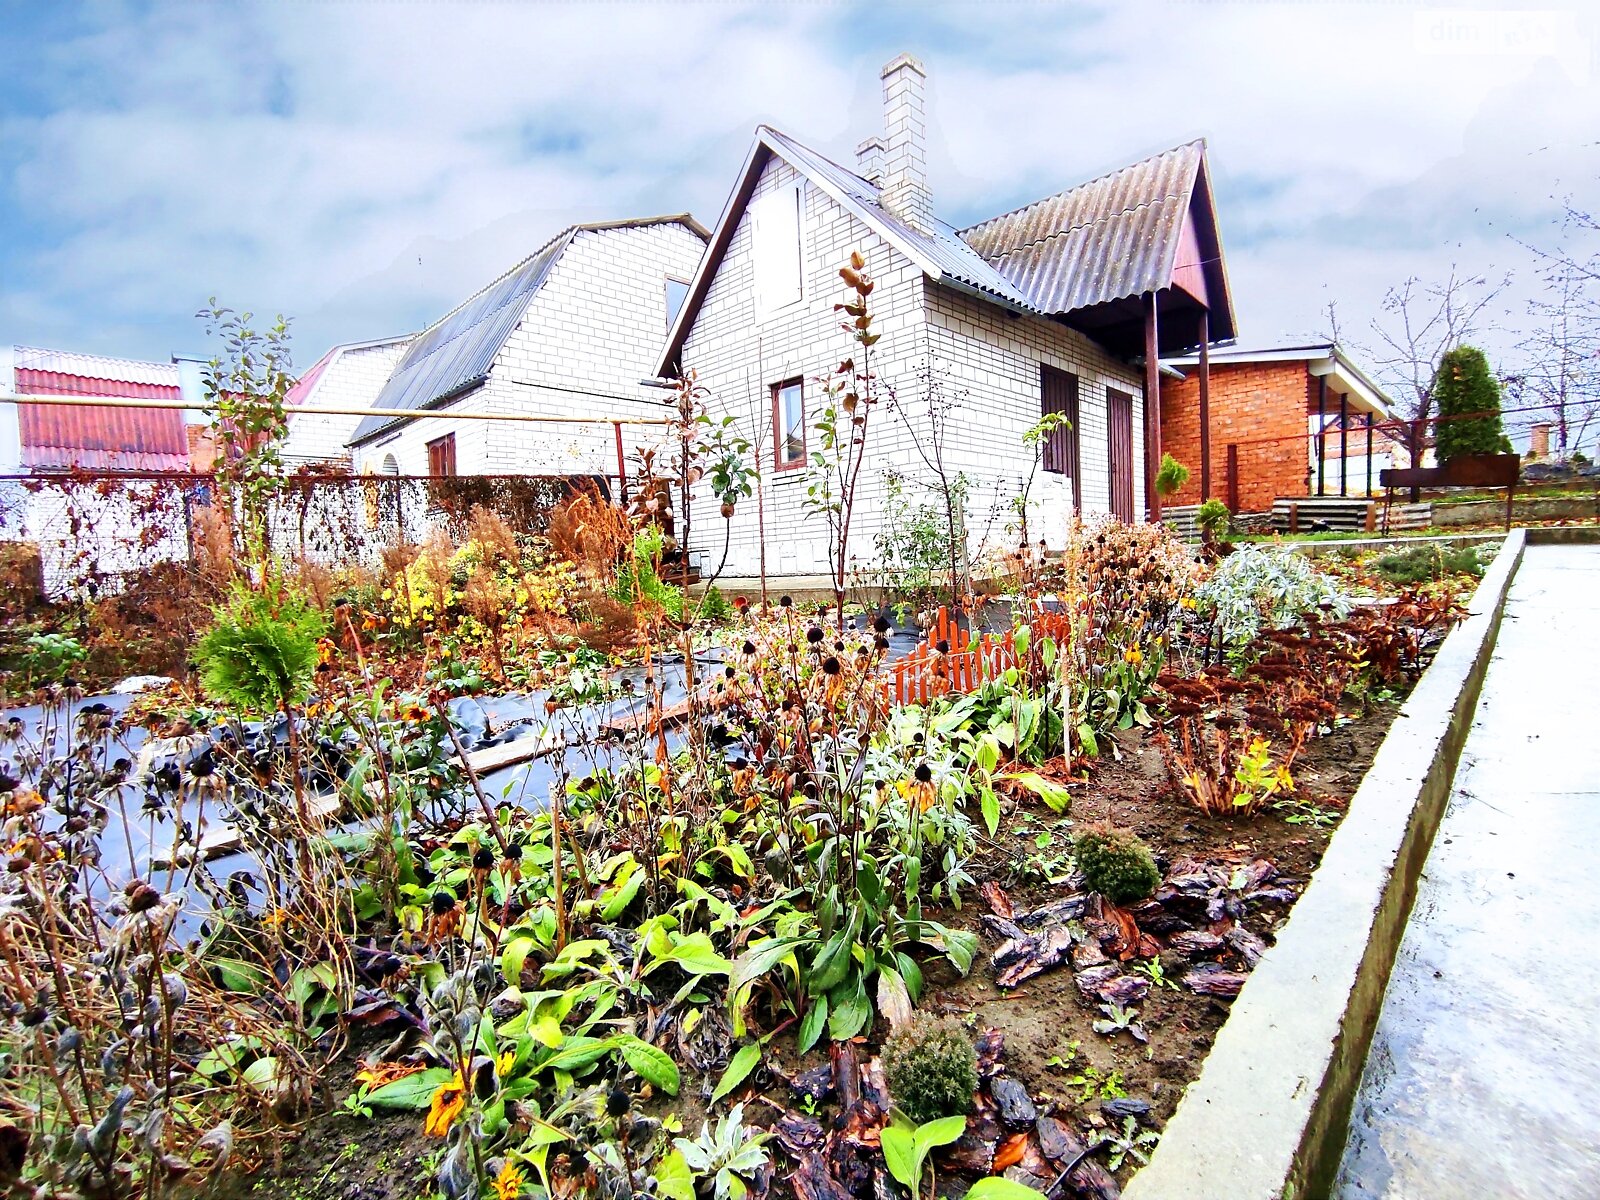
(1325, 360)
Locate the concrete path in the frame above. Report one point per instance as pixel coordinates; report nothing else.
(1484, 1074)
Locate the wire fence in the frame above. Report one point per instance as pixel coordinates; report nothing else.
(93, 530)
(1342, 457)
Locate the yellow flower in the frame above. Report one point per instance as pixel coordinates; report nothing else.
(1134, 655)
(505, 1062)
(1188, 602)
(447, 1104)
(508, 1184)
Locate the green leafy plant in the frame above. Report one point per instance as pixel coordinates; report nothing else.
(1171, 476)
(1128, 1142)
(1424, 564)
(47, 657)
(906, 1146)
(246, 387)
(726, 1156)
(931, 1068)
(1117, 1020)
(1115, 863)
(1152, 970)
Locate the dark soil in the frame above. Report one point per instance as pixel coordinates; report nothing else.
(1046, 1022)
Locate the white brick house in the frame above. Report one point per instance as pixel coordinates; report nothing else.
(347, 376)
(1044, 309)
(572, 331)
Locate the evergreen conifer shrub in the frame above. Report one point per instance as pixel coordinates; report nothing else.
(1464, 387)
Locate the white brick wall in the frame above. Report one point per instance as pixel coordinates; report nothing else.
(982, 353)
(354, 378)
(595, 326)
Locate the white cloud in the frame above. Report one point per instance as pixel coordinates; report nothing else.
(305, 157)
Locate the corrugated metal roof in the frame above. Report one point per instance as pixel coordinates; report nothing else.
(1108, 239)
(111, 439)
(455, 352)
(307, 383)
(940, 252)
(97, 367)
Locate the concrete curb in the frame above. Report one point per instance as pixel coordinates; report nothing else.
(1266, 1119)
(1564, 535)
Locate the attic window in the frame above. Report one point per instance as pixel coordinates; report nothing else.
(775, 248)
(677, 291)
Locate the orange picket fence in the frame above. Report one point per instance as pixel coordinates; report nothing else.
(963, 665)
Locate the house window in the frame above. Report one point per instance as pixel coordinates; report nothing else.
(775, 249)
(442, 455)
(677, 291)
(1058, 393)
(789, 424)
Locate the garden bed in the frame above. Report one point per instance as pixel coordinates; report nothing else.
(1047, 1022)
(737, 899)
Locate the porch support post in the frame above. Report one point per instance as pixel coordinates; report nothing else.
(1205, 404)
(1152, 408)
(1369, 454)
(1344, 442)
(1322, 443)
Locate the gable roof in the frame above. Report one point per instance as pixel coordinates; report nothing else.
(62, 437)
(305, 387)
(453, 355)
(1112, 238)
(1082, 247)
(940, 253)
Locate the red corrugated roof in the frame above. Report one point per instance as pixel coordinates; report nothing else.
(107, 439)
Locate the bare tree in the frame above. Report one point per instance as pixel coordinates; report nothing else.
(1418, 321)
(926, 430)
(1561, 371)
(1560, 375)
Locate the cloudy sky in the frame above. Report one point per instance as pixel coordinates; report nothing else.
(363, 166)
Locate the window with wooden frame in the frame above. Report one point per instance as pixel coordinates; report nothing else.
(442, 455)
(788, 424)
(1058, 393)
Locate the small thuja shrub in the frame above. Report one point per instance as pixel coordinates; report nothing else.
(1213, 520)
(1171, 476)
(1116, 864)
(931, 1069)
(260, 653)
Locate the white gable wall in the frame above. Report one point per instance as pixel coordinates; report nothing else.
(978, 349)
(738, 353)
(353, 379)
(594, 326)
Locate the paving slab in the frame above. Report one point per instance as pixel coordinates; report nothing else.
(1482, 1076)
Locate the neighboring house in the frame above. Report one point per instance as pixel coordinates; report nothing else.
(82, 530)
(348, 376)
(569, 332)
(1043, 309)
(1286, 422)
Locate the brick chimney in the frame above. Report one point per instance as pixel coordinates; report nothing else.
(1539, 442)
(869, 160)
(905, 167)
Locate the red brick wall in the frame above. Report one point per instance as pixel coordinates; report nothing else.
(1251, 403)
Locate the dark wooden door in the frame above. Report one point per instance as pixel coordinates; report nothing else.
(1119, 438)
(1058, 393)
